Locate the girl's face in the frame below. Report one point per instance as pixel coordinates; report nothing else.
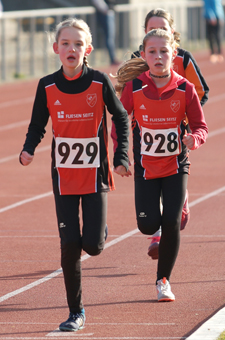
(72, 48)
(158, 22)
(158, 55)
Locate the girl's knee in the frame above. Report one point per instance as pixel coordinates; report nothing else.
(146, 227)
(93, 249)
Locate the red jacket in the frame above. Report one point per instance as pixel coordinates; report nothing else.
(193, 109)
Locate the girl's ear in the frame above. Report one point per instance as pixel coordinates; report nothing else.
(88, 50)
(55, 48)
(174, 54)
(143, 55)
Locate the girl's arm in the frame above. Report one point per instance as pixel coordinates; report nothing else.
(120, 119)
(36, 129)
(196, 119)
(193, 75)
(127, 101)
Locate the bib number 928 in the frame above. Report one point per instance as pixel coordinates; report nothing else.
(159, 143)
(77, 152)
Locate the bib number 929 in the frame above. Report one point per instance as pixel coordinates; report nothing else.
(77, 152)
(159, 143)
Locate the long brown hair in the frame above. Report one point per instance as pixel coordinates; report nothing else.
(162, 13)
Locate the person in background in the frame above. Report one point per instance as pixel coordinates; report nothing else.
(106, 18)
(185, 65)
(214, 17)
(76, 97)
(160, 101)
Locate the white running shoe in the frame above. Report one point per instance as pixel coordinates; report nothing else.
(164, 290)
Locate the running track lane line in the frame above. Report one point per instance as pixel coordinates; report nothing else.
(86, 256)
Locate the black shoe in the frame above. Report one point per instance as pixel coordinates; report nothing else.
(74, 322)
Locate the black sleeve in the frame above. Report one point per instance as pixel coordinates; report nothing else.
(120, 118)
(39, 120)
(187, 57)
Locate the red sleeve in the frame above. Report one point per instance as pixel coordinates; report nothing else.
(127, 101)
(195, 117)
(127, 97)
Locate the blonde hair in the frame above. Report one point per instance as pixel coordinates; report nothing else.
(76, 23)
(133, 67)
(162, 13)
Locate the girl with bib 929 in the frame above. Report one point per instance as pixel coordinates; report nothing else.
(76, 97)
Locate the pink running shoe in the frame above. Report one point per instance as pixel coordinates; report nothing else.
(153, 249)
(185, 213)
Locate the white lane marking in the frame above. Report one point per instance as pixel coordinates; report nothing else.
(10, 158)
(16, 102)
(211, 329)
(84, 257)
(216, 76)
(28, 200)
(211, 194)
(216, 132)
(14, 125)
(214, 99)
(31, 285)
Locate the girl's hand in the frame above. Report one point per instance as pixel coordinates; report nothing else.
(121, 170)
(188, 140)
(25, 158)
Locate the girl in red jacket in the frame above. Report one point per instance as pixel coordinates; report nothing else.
(185, 65)
(161, 101)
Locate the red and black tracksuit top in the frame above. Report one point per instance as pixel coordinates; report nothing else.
(80, 157)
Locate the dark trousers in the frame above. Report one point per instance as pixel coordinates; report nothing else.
(90, 238)
(149, 216)
(214, 37)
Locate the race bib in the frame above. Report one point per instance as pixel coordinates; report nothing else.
(77, 152)
(159, 143)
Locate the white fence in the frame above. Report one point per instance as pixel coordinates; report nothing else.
(27, 52)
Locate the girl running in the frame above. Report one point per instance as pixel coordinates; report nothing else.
(161, 101)
(76, 97)
(185, 65)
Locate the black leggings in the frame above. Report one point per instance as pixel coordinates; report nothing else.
(149, 216)
(91, 239)
(213, 34)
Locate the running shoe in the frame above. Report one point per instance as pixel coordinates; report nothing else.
(185, 213)
(164, 290)
(153, 249)
(74, 322)
(106, 232)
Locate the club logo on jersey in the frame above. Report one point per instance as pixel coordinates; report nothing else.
(145, 118)
(60, 114)
(91, 99)
(175, 105)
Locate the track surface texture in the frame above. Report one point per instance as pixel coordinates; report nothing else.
(119, 285)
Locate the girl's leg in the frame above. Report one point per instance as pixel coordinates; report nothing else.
(173, 193)
(209, 34)
(94, 208)
(147, 203)
(67, 210)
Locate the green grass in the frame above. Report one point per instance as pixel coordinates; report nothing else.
(222, 336)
